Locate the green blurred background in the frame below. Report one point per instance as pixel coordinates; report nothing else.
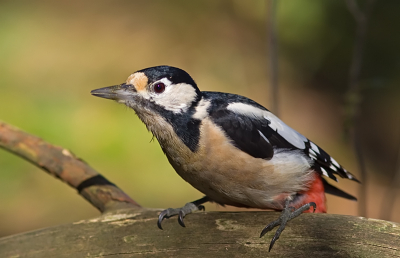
(53, 53)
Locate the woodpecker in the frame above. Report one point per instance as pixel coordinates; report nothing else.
(229, 147)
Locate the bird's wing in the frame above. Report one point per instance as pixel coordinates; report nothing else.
(245, 133)
(258, 132)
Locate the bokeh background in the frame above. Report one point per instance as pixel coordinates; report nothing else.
(53, 53)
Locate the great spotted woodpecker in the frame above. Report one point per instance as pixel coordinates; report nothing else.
(229, 147)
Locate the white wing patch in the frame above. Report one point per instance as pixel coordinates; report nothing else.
(293, 137)
(289, 134)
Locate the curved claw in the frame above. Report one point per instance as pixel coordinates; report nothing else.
(287, 214)
(161, 218)
(182, 212)
(201, 208)
(313, 205)
(269, 227)
(273, 242)
(180, 218)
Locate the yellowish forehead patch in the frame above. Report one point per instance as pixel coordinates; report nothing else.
(139, 80)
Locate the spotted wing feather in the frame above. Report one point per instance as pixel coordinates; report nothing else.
(325, 164)
(258, 132)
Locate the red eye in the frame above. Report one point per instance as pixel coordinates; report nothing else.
(159, 88)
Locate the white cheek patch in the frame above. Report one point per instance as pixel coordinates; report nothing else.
(289, 134)
(201, 109)
(176, 97)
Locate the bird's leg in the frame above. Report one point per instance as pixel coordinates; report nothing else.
(182, 212)
(288, 213)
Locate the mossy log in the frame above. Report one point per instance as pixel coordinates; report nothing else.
(134, 233)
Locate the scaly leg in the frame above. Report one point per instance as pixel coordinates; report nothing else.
(288, 213)
(182, 212)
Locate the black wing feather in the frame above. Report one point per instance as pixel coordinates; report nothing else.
(330, 189)
(323, 160)
(244, 133)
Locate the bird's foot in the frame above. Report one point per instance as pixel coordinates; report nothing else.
(182, 212)
(288, 213)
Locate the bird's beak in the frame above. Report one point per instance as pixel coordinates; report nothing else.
(117, 92)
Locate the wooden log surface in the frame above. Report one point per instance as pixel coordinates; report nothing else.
(134, 233)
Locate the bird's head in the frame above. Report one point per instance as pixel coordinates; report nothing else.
(155, 90)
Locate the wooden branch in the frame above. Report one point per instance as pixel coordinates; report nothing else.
(64, 165)
(134, 233)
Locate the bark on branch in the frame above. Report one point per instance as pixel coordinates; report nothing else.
(64, 165)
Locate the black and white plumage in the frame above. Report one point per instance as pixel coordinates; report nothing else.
(257, 131)
(227, 146)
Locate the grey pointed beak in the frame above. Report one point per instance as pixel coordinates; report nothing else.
(116, 92)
